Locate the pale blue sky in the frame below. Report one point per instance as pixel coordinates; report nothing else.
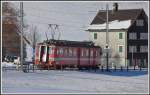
(73, 17)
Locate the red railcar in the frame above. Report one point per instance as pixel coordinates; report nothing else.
(62, 53)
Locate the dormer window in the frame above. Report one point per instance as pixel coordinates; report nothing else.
(139, 22)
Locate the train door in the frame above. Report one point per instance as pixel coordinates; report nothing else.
(44, 57)
(41, 49)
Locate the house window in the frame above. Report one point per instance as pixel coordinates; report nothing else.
(120, 48)
(120, 35)
(139, 22)
(132, 49)
(143, 48)
(144, 36)
(132, 36)
(95, 35)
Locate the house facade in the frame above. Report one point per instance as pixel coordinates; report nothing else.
(128, 36)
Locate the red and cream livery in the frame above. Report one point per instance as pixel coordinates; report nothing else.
(62, 53)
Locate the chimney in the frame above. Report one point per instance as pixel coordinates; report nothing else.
(115, 7)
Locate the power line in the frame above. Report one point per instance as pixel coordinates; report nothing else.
(69, 26)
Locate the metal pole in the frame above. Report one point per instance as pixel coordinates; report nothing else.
(107, 39)
(21, 24)
(132, 55)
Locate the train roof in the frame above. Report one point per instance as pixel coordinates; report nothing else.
(68, 43)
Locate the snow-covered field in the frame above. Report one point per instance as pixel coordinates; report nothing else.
(74, 82)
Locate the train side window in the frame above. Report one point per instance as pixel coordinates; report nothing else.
(58, 51)
(95, 53)
(70, 51)
(74, 52)
(66, 52)
(91, 52)
(82, 52)
(87, 52)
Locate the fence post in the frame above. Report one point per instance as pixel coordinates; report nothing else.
(115, 67)
(102, 68)
(140, 67)
(121, 68)
(134, 67)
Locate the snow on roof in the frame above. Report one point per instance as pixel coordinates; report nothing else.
(112, 25)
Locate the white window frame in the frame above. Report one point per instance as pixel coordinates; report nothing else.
(143, 36)
(144, 49)
(139, 22)
(133, 35)
(132, 47)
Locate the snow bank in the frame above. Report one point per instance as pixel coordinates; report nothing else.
(6, 64)
(112, 25)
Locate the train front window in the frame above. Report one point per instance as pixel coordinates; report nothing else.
(50, 50)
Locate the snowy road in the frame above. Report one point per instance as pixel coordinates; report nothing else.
(75, 82)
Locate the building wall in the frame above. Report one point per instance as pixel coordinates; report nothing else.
(116, 58)
(138, 57)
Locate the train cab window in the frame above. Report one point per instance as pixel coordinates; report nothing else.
(50, 50)
(45, 50)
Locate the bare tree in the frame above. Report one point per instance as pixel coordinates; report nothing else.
(33, 36)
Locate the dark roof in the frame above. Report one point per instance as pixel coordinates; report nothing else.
(68, 43)
(121, 14)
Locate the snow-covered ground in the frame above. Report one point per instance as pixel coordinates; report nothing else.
(74, 82)
(8, 64)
